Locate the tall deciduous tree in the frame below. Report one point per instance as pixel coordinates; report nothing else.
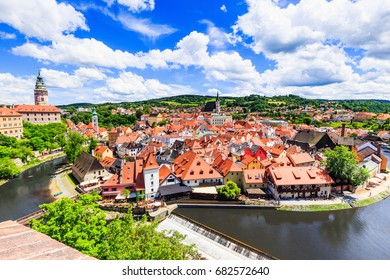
(341, 164)
(73, 147)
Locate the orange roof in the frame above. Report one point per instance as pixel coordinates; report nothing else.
(126, 178)
(246, 159)
(37, 109)
(189, 166)
(164, 172)
(254, 176)
(4, 111)
(306, 175)
(150, 162)
(101, 149)
(107, 161)
(227, 166)
(300, 158)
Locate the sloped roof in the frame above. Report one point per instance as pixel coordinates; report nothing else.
(227, 166)
(309, 136)
(300, 158)
(254, 176)
(86, 163)
(150, 162)
(37, 109)
(189, 166)
(307, 175)
(4, 111)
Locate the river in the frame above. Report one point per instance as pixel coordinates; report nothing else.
(23, 194)
(360, 233)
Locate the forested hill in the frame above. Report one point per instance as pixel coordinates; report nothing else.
(252, 103)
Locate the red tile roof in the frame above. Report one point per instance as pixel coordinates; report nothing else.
(254, 176)
(150, 163)
(4, 111)
(37, 109)
(300, 158)
(308, 175)
(189, 166)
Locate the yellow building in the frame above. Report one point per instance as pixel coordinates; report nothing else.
(250, 162)
(254, 183)
(155, 118)
(101, 152)
(230, 171)
(11, 123)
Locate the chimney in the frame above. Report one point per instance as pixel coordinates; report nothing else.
(343, 130)
(121, 171)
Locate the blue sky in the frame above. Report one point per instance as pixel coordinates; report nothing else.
(127, 50)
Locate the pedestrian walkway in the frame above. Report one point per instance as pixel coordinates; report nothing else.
(65, 186)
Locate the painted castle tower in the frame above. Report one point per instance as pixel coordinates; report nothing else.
(41, 95)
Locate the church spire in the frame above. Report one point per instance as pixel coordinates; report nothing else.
(217, 106)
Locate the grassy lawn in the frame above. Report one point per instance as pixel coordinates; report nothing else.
(304, 208)
(371, 200)
(72, 179)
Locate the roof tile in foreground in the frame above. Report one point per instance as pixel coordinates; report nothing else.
(18, 242)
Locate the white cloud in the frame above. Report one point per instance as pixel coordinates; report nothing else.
(16, 90)
(144, 26)
(314, 64)
(6, 36)
(43, 19)
(130, 86)
(82, 52)
(54, 78)
(223, 8)
(358, 24)
(217, 37)
(138, 5)
(90, 74)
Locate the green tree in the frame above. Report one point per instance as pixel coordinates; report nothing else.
(81, 224)
(359, 176)
(73, 147)
(229, 191)
(8, 168)
(92, 144)
(340, 163)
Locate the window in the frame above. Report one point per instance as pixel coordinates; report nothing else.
(152, 190)
(171, 180)
(113, 189)
(105, 189)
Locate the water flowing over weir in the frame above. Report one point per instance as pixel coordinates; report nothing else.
(214, 245)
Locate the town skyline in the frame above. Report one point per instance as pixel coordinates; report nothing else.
(117, 50)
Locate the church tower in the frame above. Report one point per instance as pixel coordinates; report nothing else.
(41, 95)
(95, 120)
(217, 105)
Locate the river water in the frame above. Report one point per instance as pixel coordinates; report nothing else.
(360, 233)
(23, 194)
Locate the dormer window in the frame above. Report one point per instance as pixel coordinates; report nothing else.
(191, 172)
(201, 172)
(198, 163)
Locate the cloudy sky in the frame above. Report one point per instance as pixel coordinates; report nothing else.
(127, 50)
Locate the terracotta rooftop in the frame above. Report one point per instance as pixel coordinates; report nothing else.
(308, 175)
(150, 162)
(300, 158)
(254, 176)
(37, 109)
(4, 111)
(18, 242)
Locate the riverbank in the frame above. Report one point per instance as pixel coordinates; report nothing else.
(349, 200)
(34, 162)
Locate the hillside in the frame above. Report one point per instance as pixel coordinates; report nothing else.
(252, 103)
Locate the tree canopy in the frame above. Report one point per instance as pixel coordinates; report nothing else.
(73, 147)
(82, 225)
(229, 191)
(342, 164)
